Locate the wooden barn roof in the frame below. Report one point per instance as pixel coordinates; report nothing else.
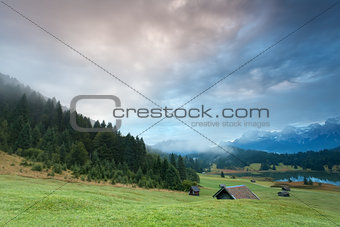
(195, 188)
(238, 192)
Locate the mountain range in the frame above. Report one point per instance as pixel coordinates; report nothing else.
(292, 139)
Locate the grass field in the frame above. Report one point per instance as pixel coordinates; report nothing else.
(279, 167)
(79, 204)
(253, 167)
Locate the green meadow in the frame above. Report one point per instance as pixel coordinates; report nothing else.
(79, 204)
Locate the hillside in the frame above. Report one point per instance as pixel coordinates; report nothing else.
(18, 166)
(83, 205)
(38, 129)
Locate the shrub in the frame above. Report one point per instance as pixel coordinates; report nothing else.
(150, 183)
(187, 184)
(48, 164)
(31, 153)
(25, 163)
(192, 175)
(57, 169)
(37, 167)
(124, 180)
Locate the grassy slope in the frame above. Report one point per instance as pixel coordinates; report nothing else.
(280, 167)
(82, 204)
(253, 167)
(10, 165)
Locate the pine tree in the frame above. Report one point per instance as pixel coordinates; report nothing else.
(264, 166)
(222, 174)
(4, 136)
(36, 135)
(62, 153)
(105, 144)
(103, 124)
(103, 153)
(15, 129)
(59, 119)
(173, 180)
(165, 167)
(22, 109)
(181, 168)
(49, 142)
(96, 124)
(139, 175)
(157, 165)
(130, 152)
(141, 151)
(79, 154)
(192, 175)
(24, 140)
(172, 160)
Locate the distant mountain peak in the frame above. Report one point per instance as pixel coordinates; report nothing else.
(293, 139)
(334, 120)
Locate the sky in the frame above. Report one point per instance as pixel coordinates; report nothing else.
(171, 51)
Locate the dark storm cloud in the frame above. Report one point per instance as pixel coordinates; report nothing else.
(172, 50)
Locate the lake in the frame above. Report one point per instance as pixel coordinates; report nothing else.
(319, 177)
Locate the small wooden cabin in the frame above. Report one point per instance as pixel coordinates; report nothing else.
(235, 192)
(283, 193)
(194, 190)
(285, 188)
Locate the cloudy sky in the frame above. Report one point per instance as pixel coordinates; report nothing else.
(170, 51)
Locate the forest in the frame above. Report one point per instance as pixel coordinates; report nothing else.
(314, 160)
(38, 129)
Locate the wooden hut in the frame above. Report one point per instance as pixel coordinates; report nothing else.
(285, 188)
(283, 193)
(194, 190)
(235, 192)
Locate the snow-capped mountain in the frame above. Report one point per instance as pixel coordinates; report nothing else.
(293, 139)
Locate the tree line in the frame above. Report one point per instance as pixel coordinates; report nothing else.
(314, 160)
